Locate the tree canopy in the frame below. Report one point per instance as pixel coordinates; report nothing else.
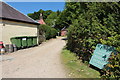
(36, 15)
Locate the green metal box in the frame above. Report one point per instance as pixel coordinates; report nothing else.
(24, 41)
(34, 41)
(17, 41)
(29, 41)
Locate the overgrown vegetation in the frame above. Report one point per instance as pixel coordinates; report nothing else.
(75, 68)
(90, 24)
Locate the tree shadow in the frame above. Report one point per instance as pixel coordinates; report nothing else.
(64, 38)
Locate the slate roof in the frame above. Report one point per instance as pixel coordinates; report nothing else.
(10, 13)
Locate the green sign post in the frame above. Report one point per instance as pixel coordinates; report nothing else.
(101, 55)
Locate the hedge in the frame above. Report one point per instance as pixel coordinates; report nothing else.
(96, 23)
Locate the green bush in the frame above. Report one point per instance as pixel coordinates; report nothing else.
(53, 33)
(49, 31)
(96, 23)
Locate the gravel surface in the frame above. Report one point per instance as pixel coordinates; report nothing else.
(0, 68)
(42, 61)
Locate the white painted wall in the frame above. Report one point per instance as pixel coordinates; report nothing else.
(14, 29)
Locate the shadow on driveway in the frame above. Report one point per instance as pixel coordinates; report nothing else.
(65, 38)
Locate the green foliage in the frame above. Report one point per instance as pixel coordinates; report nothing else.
(72, 11)
(113, 68)
(49, 16)
(49, 31)
(36, 15)
(90, 24)
(51, 19)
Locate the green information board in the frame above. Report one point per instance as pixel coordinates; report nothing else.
(101, 55)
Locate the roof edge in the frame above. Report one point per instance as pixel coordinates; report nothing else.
(19, 20)
(32, 20)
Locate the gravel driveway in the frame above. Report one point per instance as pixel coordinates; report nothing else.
(42, 61)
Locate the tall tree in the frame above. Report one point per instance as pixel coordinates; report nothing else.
(36, 15)
(51, 19)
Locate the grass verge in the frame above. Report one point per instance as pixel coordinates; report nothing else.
(75, 68)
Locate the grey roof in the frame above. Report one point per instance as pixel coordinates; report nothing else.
(11, 13)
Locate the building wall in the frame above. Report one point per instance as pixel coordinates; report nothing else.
(1, 31)
(14, 29)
